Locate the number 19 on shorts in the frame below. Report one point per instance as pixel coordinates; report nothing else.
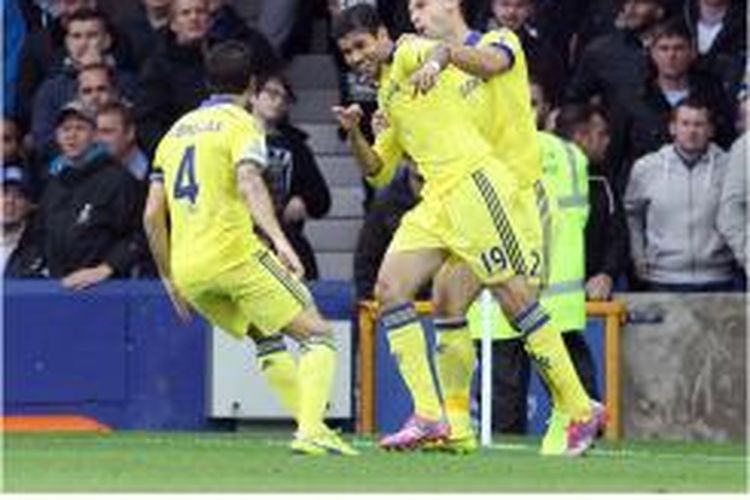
(494, 260)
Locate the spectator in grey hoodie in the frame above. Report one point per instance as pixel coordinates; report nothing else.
(732, 221)
(672, 200)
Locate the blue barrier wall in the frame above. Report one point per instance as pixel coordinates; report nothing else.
(116, 353)
(393, 405)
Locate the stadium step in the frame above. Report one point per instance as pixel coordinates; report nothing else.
(324, 138)
(340, 171)
(314, 106)
(336, 265)
(346, 203)
(333, 235)
(313, 71)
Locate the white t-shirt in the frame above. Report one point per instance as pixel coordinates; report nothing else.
(707, 34)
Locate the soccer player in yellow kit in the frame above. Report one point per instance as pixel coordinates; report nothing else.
(205, 197)
(473, 208)
(495, 87)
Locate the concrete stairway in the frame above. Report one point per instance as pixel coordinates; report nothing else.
(334, 237)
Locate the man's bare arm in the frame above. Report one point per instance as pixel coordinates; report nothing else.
(155, 224)
(253, 189)
(367, 159)
(483, 62)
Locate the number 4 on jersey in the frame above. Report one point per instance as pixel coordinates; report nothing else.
(184, 184)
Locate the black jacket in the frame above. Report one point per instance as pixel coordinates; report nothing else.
(545, 62)
(141, 37)
(606, 230)
(293, 171)
(613, 66)
(726, 57)
(171, 83)
(27, 259)
(92, 214)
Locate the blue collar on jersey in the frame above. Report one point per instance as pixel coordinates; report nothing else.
(216, 100)
(472, 38)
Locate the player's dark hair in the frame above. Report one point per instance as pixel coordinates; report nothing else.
(573, 118)
(357, 18)
(229, 67)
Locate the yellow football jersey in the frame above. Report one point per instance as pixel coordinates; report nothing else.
(433, 129)
(211, 227)
(501, 107)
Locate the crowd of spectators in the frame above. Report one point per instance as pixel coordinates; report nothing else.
(92, 85)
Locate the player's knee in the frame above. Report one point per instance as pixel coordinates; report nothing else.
(309, 324)
(388, 293)
(448, 303)
(514, 295)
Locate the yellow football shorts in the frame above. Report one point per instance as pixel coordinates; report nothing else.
(260, 294)
(486, 222)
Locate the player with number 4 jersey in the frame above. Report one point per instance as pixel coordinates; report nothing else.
(206, 195)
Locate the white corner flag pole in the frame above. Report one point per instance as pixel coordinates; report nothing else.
(485, 307)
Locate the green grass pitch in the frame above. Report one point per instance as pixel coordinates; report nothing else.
(260, 462)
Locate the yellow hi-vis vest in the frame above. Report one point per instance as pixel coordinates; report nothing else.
(565, 170)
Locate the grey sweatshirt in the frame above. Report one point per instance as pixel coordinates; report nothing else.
(732, 222)
(671, 210)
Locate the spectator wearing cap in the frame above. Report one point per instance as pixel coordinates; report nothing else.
(673, 76)
(296, 185)
(172, 80)
(115, 129)
(87, 41)
(14, 153)
(90, 211)
(672, 201)
(719, 28)
(22, 256)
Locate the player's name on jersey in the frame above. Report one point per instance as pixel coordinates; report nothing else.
(196, 128)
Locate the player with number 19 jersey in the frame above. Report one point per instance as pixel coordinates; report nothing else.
(211, 228)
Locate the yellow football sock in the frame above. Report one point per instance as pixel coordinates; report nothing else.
(317, 365)
(406, 338)
(280, 371)
(455, 361)
(546, 347)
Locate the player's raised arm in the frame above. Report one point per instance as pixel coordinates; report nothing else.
(483, 62)
(349, 119)
(253, 189)
(155, 218)
(483, 56)
(378, 162)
